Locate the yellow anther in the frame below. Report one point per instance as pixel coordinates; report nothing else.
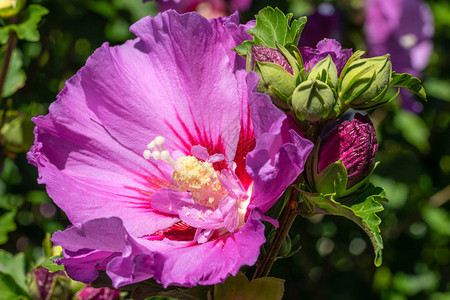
(200, 179)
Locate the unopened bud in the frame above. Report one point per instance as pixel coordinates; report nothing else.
(313, 101)
(266, 54)
(365, 82)
(346, 156)
(45, 285)
(276, 80)
(325, 71)
(90, 293)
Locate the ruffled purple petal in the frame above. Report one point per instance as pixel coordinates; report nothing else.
(214, 261)
(280, 153)
(324, 48)
(104, 244)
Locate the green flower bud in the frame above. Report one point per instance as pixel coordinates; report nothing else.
(313, 101)
(365, 82)
(277, 69)
(10, 8)
(276, 82)
(325, 71)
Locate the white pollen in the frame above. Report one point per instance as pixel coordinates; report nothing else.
(156, 155)
(165, 155)
(151, 145)
(159, 140)
(147, 154)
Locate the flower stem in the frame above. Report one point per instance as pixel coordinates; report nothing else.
(12, 42)
(290, 213)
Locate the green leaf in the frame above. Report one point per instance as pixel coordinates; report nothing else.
(17, 131)
(438, 219)
(7, 225)
(14, 266)
(272, 27)
(15, 79)
(413, 129)
(10, 290)
(411, 83)
(27, 27)
(438, 88)
(238, 287)
(363, 213)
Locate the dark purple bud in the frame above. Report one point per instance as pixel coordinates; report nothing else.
(90, 293)
(265, 54)
(355, 143)
(44, 284)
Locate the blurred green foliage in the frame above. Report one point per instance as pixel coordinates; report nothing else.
(335, 261)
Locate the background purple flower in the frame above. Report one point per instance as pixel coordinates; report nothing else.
(207, 8)
(403, 28)
(323, 23)
(134, 218)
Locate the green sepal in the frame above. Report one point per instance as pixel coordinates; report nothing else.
(244, 48)
(343, 95)
(275, 76)
(50, 265)
(290, 58)
(239, 287)
(361, 183)
(355, 56)
(272, 27)
(332, 180)
(362, 212)
(299, 58)
(406, 80)
(325, 71)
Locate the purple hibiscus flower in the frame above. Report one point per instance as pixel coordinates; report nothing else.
(403, 28)
(324, 48)
(164, 157)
